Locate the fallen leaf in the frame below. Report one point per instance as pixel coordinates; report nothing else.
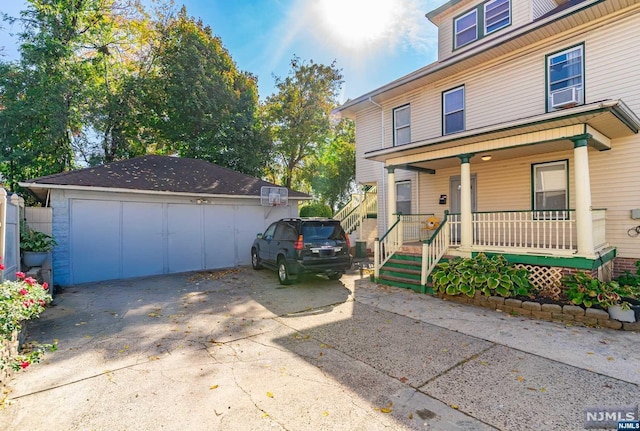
(520, 378)
(455, 406)
(269, 394)
(325, 413)
(385, 410)
(610, 358)
(543, 389)
(212, 387)
(589, 353)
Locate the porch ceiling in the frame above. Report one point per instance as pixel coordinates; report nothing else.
(601, 122)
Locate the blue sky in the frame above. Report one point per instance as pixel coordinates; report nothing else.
(372, 41)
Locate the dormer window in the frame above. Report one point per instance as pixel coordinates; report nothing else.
(466, 28)
(481, 21)
(497, 14)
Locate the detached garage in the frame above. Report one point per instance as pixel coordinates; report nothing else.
(155, 215)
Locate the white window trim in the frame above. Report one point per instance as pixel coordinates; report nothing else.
(445, 113)
(396, 128)
(486, 5)
(410, 200)
(456, 32)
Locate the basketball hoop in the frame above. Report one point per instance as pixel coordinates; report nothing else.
(273, 196)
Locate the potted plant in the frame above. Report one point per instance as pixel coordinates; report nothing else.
(35, 247)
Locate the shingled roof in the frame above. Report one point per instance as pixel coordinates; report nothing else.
(160, 174)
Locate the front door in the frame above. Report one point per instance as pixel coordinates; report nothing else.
(455, 188)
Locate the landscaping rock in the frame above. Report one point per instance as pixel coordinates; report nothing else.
(573, 310)
(598, 314)
(533, 306)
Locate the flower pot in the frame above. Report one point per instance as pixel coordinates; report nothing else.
(34, 258)
(616, 312)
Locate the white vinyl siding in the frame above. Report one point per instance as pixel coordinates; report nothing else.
(368, 138)
(540, 7)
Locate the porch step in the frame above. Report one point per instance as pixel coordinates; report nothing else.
(405, 270)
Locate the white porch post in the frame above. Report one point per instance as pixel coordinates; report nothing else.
(584, 222)
(391, 196)
(466, 225)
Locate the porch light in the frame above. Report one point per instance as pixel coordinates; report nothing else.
(486, 157)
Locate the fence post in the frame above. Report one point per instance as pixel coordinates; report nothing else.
(376, 260)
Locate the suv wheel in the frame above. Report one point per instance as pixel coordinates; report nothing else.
(335, 276)
(283, 272)
(255, 259)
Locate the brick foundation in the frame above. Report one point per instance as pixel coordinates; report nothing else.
(622, 264)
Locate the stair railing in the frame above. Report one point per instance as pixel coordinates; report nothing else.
(387, 246)
(358, 208)
(434, 248)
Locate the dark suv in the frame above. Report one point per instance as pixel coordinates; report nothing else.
(295, 246)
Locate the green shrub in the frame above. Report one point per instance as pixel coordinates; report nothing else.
(583, 289)
(631, 280)
(491, 276)
(316, 210)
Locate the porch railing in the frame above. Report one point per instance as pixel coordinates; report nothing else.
(552, 231)
(386, 246)
(433, 249)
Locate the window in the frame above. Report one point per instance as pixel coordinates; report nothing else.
(497, 14)
(403, 197)
(550, 186)
(453, 110)
(466, 28)
(402, 125)
(565, 72)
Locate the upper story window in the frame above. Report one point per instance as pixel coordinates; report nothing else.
(565, 77)
(550, 186)
(497, 14)
(402, 125)
(466, 28)
(481, 21)
(453, 110)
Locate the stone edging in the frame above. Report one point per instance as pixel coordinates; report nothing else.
(551, 312)
(9, 349)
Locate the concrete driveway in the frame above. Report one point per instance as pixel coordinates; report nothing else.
(233, 350)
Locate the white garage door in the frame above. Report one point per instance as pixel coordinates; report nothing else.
(117, 239)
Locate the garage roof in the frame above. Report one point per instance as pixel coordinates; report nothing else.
(155, 173)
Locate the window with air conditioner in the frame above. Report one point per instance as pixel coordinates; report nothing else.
(402, 125)
(565, 78)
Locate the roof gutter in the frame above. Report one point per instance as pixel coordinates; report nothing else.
(141, 192)
(437, 66)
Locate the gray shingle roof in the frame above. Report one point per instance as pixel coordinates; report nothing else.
(163, 173)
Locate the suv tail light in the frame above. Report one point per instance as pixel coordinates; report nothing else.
(346, 236)
(299, 243)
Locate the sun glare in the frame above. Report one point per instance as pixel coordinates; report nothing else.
(356, 24)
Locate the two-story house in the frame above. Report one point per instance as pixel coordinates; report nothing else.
(521, 139)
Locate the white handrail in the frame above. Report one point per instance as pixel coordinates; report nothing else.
(433, 250)
(387, 246)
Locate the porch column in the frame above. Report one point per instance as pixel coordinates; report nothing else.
(391, 196)
(584, 222)
(466, 225)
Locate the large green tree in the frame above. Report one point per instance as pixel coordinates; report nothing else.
(206, 109)
(331, 171)
(299, 116)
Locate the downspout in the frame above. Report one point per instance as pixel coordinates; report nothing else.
(384, 213)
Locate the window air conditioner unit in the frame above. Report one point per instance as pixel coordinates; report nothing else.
(565, 98)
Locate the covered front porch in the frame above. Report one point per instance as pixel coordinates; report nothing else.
(573, 231)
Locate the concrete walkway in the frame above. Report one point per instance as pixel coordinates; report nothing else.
(233, 350)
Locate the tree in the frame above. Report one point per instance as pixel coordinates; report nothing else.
(208, 109)
(299, 115)
(43, 95)
(331, 172)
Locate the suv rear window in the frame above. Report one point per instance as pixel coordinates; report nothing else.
(319, 230)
